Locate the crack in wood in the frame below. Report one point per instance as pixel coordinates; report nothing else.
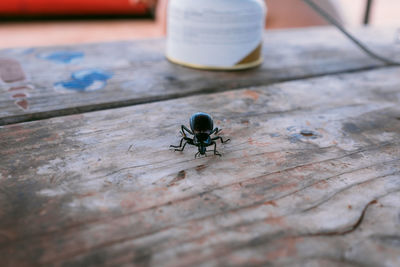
(353, 185)
(356, 224)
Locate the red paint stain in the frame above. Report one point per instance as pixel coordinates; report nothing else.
(24, 87)
(252, 94)
(11, 70)
(22, 104)
(272, 203)
(20, 95)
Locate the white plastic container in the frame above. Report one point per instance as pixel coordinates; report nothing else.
(215, 34)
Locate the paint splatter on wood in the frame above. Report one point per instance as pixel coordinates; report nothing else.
(22, 87)
(63, 57)
(85, 80)
(22, 104)
(19, 95)
(11, 70)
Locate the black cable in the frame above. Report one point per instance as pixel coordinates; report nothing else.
(367, 12)
(333, 21)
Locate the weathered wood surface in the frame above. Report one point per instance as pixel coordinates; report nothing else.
(68, 80)
(311, 176)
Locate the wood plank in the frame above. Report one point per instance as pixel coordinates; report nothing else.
(75, 79)
(311, 175)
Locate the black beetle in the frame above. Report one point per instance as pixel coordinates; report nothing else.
(201, 125)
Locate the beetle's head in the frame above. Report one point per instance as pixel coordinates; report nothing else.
(202, 149)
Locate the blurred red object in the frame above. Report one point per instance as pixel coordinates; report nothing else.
(74, 7)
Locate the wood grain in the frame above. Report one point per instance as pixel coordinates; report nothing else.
(311, 176)
(139, 73)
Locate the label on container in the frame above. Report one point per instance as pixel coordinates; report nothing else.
(202, 36)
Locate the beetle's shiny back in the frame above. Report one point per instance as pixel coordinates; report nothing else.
(201, 122)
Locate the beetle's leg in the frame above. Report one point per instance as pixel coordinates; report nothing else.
(183, 128)
(216, 130)
(222, 140)
(180, 144)
(188, 141)
(215, 149)
(177, 149)
(195, 155)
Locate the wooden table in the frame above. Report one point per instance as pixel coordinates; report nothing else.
(311, 175)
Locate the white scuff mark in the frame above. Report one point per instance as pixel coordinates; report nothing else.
(52, 192)
(104, 201)
(52, 166)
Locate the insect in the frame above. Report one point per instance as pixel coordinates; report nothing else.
(201, 127)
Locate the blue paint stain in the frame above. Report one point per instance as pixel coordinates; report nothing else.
(64, 57)
(85, 80)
